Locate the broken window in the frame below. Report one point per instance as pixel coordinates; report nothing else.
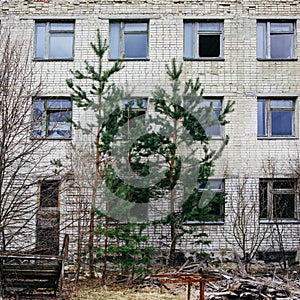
(51, 118)
(129, 39)
(276, 117)
(277, 199)
(54, 40)
(203, 40)
(275, 40)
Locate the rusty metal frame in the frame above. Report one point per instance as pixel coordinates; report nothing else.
(189, 279)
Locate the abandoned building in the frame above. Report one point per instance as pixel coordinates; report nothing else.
(244, 51)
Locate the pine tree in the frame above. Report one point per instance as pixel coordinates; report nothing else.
(180, 122)
(100, 99)
(189, 114)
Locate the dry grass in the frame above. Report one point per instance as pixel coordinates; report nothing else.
(91, 290)
(102, 294)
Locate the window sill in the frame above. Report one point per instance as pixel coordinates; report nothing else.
(53, 59)
(48, 139)
(277, 59)
(216, 137)
(199, 223)
(279, 222)
(129, 59)
(204, 59)
(277, 138)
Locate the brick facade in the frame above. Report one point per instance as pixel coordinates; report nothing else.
(238, 77)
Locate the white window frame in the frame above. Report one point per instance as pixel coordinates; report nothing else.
(267, 115)
(117, 51)
(196, 33)
(271, 192)
(266, 39)
(48, 32)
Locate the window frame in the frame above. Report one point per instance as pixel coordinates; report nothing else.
(196, 33)
(270, 194)
(220, 218)
(266, 114)
(120, 48)
(47, 42)
(266, 55)
(133, 103)
(44, 123)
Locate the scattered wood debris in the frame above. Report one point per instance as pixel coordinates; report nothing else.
(267, 287)
(236, 285)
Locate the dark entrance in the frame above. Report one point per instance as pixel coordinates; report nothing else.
(48, 218)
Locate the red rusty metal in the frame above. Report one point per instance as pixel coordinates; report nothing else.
(185, 278)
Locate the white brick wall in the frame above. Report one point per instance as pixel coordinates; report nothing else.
(240, 77)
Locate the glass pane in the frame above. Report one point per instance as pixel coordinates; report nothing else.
(261, 117)
(211, 184)
(40, 31)
(61, 45)
(59, 103)
(209, 45)
(133, 27)
(282, 103)
(261, 40)
(263, 199)
(284, 206)
(281, 27)
(216, 103)
(282, 46)
(188, 40)
(136, 45)
(209, 26)
(58, 127)
(114, 47)
(135, 103)
(37, 116)
(62, 26)
(49, 194)
(214, 130)
(282, 123)
(284, 184)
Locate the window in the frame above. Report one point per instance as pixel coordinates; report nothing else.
(213, 190)
(54, 40)
(129, 39)
(135, 107)
(215, 130)
(51, 118)
(277, 199)
(275, 40)
(49, 194)
(48, 218)
(275, 117)
(208, 205)
(203, 40)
